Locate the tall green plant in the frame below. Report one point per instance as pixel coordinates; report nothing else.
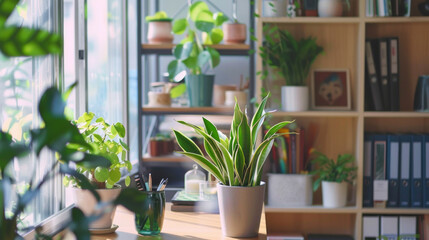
(191, 53)
(341, 170)
(292, 57)
(237, 160)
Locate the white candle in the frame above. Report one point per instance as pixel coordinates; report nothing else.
(193, 186)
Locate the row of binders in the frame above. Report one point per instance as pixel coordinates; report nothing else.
(388, 8)
(393, 227)
(403, 161)
(288, 154)
(382, 74)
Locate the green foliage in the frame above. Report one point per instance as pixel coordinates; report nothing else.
(159, 16)
(237, 160)
(191, 53)
(25, 41)
(105, 140)
(329, 170)
(293, 58)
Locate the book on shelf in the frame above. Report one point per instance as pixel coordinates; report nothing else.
(388, 8)
(401, 159)
(382, 74)
(393, 227)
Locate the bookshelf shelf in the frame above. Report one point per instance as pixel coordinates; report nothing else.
(351, 114)
(187, 110)
(295, 20)
(396, 115)
(410, 211)
(343, 40)
(166, 158)
(224, 49)
(310, 209)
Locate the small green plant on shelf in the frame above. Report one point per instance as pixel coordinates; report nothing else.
(237, 160)
(159, 16)
(105, 140)
(341, 170)
(191, 53)
(293, 58)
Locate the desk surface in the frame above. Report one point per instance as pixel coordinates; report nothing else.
(177, 225)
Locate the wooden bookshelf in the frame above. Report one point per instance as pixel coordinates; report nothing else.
(224, 49)
(343, 40)
(224, 110)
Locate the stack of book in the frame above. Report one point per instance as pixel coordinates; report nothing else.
(388, 8)
(382, 74)
(402, 160)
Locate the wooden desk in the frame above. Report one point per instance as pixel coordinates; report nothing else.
(177, 225)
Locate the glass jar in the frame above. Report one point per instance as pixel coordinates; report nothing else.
(193, 179)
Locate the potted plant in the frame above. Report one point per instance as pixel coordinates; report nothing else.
(105, 140)
(237, 163)
(235, 32)
(334, 176)
(159, 28)
(293, 60)
(193, 56)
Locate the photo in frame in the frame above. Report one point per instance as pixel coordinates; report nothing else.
(330, 89)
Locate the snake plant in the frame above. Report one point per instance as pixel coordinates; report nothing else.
(237, 160)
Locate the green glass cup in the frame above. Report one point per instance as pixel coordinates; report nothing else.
(149, 221)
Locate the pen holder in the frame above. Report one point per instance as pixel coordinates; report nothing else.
(149, 221)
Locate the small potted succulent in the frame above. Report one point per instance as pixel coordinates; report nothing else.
(237, 163)
(334, 176)
(192, 57)
(106, 141)
(159, 28)
(234, 32)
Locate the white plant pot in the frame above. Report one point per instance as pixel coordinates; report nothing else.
(290, 190)
(330, 8)
(240, 209)
(87, 203)
(295, 98)
(278, 8)
(334, 194)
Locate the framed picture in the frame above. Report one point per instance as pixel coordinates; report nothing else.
(330, 89)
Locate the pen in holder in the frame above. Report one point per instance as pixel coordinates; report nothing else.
(149, 221)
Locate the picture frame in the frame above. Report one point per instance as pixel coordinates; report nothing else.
(330, 89)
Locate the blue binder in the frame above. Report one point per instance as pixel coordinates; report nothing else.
(425, 168)
(405, 164)
(367, 173)
(416, 172)
(392, 173)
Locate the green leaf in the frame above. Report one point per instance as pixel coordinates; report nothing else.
(186, 143)
(132, 199)
(220, 18)
(51, 105)
(205, 22)
(6, 9)
(178, 90)
(81, 179)
(79, 224)
(216, 35)
(120, 128)
(211, 129)
(206, 164)
(203, 58)
(24, 41)
(159, 16)
(175, 67)
(101, 174)
(196, 8)
(191, 62)
(115, 175)
(68, 91)
(214, 57)
(275, 129)
(127, 181)
(179, 26)
(183, 51)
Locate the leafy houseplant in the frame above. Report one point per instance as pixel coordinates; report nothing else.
(104, 140)
(193, 56)
(334, 176)
(237, 163)
(293, 60)
(159, 28)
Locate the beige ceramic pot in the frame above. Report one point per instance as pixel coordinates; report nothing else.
(88, 204)
(159, 32)
(234, 33)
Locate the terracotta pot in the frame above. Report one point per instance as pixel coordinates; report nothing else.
(234, 33)
(159, 32)
(155, 147)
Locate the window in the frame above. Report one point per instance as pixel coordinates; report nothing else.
(22, 81)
